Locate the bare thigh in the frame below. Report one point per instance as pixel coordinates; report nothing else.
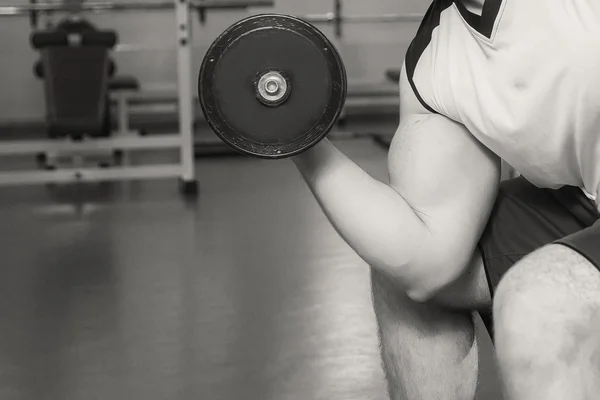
(547, 325)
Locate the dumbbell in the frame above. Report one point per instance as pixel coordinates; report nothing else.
(272, 86)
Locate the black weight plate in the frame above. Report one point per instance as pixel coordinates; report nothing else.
(302, 55)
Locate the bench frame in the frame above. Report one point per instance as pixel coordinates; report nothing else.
(124, 139)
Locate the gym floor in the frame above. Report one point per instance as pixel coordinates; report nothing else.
(126, 291)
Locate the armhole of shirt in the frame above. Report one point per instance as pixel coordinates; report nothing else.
(420, 42)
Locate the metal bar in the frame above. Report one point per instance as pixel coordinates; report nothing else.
(99, 6)
(123, 47)
(117, 143)
(144, 96)
(122, 113)
(185, 85)
(90, 175)
(332, 18)
(33, 17)
(202, 15)
(337, 10)
(383, 18)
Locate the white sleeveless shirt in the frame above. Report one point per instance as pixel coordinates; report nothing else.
(524, 78)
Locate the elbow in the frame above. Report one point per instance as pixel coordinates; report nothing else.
(421, 293)
(418, 285)
(426, 284)
(419, 288)
(426, 276)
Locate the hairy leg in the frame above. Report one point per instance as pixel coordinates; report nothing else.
(547, 319)
(429, 351)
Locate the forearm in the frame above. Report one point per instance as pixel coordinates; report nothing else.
(371, 216)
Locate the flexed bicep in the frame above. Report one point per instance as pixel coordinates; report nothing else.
(448, 178)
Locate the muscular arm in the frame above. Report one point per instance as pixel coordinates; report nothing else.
(420, 230)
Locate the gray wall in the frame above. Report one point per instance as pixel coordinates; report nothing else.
(149, 54)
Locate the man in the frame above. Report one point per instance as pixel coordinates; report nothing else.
(511, 79)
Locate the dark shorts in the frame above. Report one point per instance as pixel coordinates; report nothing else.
(526, 218)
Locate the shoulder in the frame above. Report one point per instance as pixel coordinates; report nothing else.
(410, 104)
(431, 20)
(423, 52)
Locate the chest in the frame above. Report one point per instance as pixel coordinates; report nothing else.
(543, 77)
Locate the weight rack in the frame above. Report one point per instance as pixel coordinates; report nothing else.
(124, 139)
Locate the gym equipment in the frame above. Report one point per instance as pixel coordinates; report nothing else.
(77, 74)
(338, 18)
(107, 6)
(333, 17)
(74, 64)
(78, 86)
(272, 86)
(182, 141)
(33, 16)
(369, 107)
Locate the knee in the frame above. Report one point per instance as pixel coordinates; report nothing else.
(517, 299)
(542, 311)
(516, 309)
